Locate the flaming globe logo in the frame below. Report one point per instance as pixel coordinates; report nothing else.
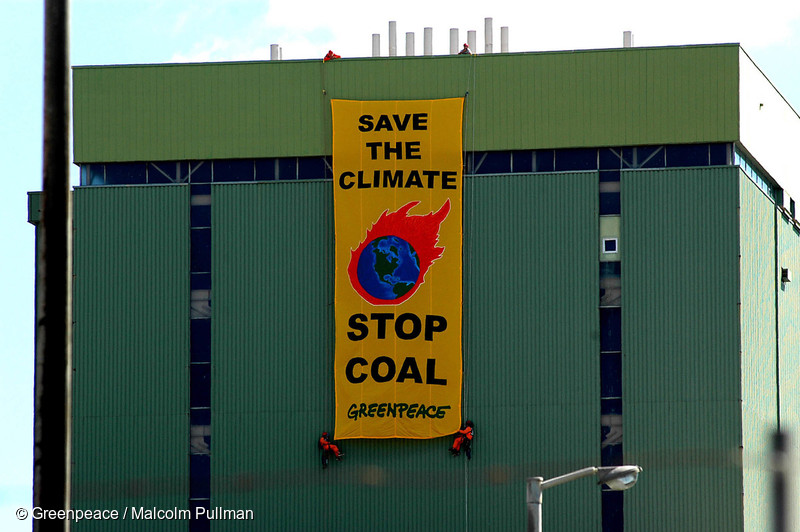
(390, 264)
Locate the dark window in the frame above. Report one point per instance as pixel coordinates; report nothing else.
(612, 509)
(200, 215)
(720, 154)
(544, 160)
(576, 159)
(610, 407)
(200, 281)
(202, 524)
(230, 171)
(609, 159)
(610, 284)
(200, 172)
(168, 172)
(522, 162)
(200, 385)
(610, 176)
(610, 203)
(643, 157)
(687, 155)
(611, 455)
(610, 245)
(310, 167)
(161, 172)
(611, 375)
(328, 167)
(93, 175)
(200, 190)
(200, 340)
(200, 416)
(287, 168)
(265, 169)
(126, 174)
(200, 250)
(494, 162)
(610, 329)
(199, 476)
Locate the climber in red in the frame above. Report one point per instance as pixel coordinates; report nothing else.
(330, 55)
(463, 439)
(327, 449)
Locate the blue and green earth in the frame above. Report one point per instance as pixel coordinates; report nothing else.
(388, 268)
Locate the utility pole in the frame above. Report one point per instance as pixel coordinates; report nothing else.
(53, 312)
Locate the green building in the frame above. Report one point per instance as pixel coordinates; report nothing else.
(630, 293)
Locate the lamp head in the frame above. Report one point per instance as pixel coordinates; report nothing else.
(618, 478)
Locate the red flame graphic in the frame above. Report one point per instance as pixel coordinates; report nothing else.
(420, 231)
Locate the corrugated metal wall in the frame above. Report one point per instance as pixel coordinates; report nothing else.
(531, 365)
(130, 355)
(789, 320)
(681, 361)
(619, 97)
(758, 287)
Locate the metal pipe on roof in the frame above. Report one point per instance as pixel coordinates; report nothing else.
(487, 34)
(427, 41)
(504, 39)
(392, 38)
(454, 48)
(627, 39)
(409, 43)
(376, 45)
(471, 40)
(274, 52)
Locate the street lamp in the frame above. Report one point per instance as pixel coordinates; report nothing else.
(617, 478)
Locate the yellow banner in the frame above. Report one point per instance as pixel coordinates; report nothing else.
(397, 169)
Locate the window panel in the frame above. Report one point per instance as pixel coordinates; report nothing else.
(310, 167)
(610, 329)
(494, 162)
(287, 168)
(610, 284)
(265, 169)
(687, 155)
(201, 250)
(544, 160)
(199, 476)
(200, 385)
(126, 174)
(231, 171)
(576, 159)
(200, 340)
(522, 162)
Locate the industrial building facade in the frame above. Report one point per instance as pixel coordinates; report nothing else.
(629, 240)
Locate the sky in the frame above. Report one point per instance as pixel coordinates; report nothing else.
(165, 31)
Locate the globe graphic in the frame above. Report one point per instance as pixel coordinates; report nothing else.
(388, 268)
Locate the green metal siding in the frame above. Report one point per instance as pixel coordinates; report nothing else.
(531, 345)
(759, 380)
(680, 344)
(130, 354)
(530, 363)
(630, 96)
(789, 320)
(34, 207)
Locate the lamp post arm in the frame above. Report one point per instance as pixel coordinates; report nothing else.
(563, 479)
